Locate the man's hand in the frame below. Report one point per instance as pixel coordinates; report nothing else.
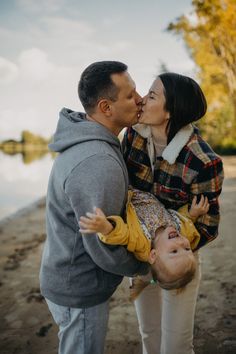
(198, 209)
(95, 222)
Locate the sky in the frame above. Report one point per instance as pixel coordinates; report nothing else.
(46, 44)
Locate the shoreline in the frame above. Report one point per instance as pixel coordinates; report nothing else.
(26, 326)
(229, 171)
(38, 203)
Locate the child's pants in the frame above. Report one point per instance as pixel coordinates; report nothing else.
(166, 318)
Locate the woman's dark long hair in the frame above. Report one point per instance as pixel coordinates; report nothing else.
(184, 100)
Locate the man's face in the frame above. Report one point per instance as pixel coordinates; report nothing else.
(127, 107)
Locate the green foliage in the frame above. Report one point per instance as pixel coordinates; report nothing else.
(31, 146)
(29, 138)
(210, 35)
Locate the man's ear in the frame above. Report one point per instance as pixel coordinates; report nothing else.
(104, 107)
(152, 256)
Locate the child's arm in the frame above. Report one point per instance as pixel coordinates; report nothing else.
(200, 208)
(129, 234)
(189, 217)
(196, 209)
(95, 222)
(209, 181)
(112, 230)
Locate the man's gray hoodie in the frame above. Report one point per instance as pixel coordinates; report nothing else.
(79, 270)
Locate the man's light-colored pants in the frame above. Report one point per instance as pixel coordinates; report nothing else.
(166, 318)
(81, 331)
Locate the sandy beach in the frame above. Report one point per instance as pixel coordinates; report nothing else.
(26, 326)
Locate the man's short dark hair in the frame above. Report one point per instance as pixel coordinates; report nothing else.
(96, 83)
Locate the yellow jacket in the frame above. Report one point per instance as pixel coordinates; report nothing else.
(130, 234)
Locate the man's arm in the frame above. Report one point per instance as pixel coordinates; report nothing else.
(99, 181)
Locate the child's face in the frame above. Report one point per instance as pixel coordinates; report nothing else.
(169, 241)
(173, 249)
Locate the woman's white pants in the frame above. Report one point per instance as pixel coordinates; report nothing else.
(166, 318)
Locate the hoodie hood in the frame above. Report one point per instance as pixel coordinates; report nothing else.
(73, 128)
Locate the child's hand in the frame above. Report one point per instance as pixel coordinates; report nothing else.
(198, 209)
(95, 222)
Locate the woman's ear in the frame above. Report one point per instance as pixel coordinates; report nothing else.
(152, 256)
(104, 107)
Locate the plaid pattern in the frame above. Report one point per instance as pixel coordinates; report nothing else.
(197, 170)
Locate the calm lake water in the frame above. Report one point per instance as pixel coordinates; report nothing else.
(23, 180)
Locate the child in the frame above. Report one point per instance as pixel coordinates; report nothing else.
(163, 238)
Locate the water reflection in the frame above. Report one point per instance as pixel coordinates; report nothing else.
(23, 179)
(28, 155)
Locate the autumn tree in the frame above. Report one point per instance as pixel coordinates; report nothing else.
(209, 32)
(29, 138)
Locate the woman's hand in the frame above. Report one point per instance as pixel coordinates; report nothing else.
(95, 222)
(198, 209)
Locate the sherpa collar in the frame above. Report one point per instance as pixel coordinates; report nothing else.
(172, 150)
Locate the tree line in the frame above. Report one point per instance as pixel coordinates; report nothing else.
(210, 36)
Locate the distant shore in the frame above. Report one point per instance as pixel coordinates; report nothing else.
(31, 146)
(26, 326)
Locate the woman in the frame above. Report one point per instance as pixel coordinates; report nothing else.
(165, 155)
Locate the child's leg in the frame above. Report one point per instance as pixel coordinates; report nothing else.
(148, 309)
(178, 311)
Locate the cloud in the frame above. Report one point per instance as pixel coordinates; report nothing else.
(39, 91)
(110, 22)
(46, 54)
(65, 40)
(42, 6)
(58, 26)
(8, 71)
(34, 64)
(121, 46)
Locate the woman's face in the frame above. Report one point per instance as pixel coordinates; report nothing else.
(153, 111)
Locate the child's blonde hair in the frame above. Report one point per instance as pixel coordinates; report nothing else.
(162, 277)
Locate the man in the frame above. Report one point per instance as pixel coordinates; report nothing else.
(79, 273)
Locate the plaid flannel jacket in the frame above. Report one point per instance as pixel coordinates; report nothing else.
(197, 170)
